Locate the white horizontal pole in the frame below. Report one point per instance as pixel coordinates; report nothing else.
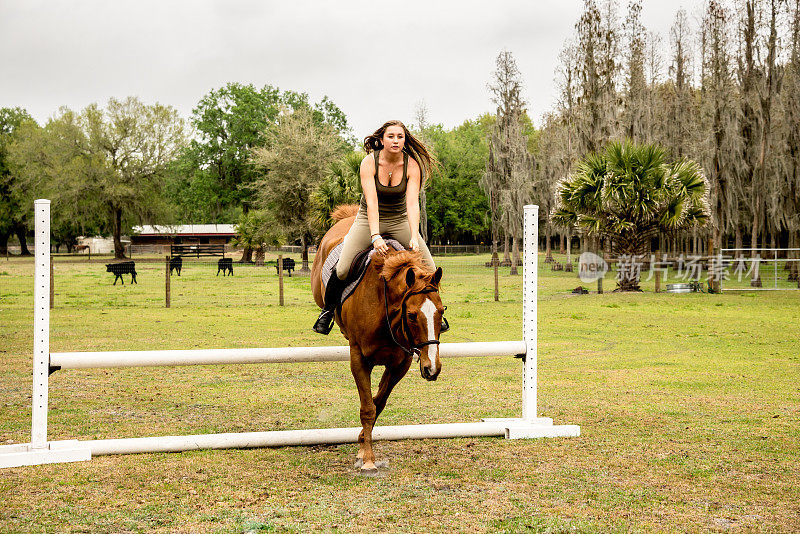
(150, 358)
(319, 436)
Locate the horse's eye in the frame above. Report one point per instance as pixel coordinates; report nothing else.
(412, 316)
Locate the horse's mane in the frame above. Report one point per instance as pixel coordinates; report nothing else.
(393, 263)
(344, 211)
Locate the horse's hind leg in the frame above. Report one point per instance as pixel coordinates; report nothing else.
(361, 373)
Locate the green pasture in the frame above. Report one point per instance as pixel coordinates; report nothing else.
(689, 406)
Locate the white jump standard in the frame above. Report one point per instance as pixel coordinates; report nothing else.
(40, 450)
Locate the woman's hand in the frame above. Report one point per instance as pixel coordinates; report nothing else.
(413, 244)
(380, 245)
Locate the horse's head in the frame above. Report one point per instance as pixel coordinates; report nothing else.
(423, 316)
(414, 309)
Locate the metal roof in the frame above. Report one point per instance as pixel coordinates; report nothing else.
(187, 229)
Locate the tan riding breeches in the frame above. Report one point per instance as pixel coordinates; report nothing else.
(359, 238)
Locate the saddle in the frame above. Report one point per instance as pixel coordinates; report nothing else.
(357, 268)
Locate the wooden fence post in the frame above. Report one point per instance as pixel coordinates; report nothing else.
(166, 283)
(658, 271)
(714, 284)
(280, 279)
(52, 285)
(496, 281)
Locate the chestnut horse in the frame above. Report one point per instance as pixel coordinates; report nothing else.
(392, 317)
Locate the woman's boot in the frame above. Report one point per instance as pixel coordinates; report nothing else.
(333, 292)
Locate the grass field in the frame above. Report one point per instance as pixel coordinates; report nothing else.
(689, 406)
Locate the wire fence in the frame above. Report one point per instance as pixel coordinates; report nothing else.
(148, 280)
(764, 269)
(80, 280)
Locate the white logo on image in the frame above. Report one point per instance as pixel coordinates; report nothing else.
(591, 267)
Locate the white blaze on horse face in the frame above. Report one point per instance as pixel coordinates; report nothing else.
(428, 310)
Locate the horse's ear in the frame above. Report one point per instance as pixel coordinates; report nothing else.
(437, 276)
(410, 277)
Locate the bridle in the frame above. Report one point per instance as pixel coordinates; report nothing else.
(413, 349)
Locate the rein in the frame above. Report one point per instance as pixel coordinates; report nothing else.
(413, 350)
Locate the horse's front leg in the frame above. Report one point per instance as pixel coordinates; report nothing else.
(361, 373)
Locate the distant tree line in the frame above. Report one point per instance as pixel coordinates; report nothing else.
(725, 92)
(267, 160)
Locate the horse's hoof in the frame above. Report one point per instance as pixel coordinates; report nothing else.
(369, 469)
(369, 472)
(359, 463)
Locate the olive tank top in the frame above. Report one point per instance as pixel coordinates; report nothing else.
(391, 199)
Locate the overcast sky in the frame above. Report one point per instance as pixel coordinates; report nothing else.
(376, 60)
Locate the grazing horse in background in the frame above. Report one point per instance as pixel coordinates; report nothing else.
(392, 317)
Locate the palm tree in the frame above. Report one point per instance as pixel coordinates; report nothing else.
(258, 229)
(629, 193)
(342, 185)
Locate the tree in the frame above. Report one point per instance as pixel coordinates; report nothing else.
(721, 153)
(771, 76)
(635, 81)
(458, 211)
(749, 121)
(296, 157)
(557, 142)
(138, 142)
(554, 164)
(230, 122)
(216, 177)
(629, 193)
(12, 213)
(421, 115)
(258, 229)
(110, 161)
(507, 179)
(598, 69)
(678, 105)
(790, 136)
(47, 162)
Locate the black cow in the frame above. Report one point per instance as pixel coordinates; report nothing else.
(288, 266)
(176, 263)
(225, 264)
(120, 268)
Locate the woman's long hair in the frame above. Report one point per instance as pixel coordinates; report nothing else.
(413, 147)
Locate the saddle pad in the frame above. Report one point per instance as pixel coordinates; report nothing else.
(353, 279)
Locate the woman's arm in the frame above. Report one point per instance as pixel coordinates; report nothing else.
(412, 202)
(371, 197)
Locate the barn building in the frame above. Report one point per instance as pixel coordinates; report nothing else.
(182, 234)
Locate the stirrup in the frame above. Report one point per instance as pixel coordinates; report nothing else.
(324, 322)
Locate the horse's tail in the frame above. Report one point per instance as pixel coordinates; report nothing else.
(344, 211)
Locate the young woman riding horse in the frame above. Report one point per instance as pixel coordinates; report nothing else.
(390, 182)
(394, 315)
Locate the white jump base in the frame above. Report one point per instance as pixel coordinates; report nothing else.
(42, 451)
